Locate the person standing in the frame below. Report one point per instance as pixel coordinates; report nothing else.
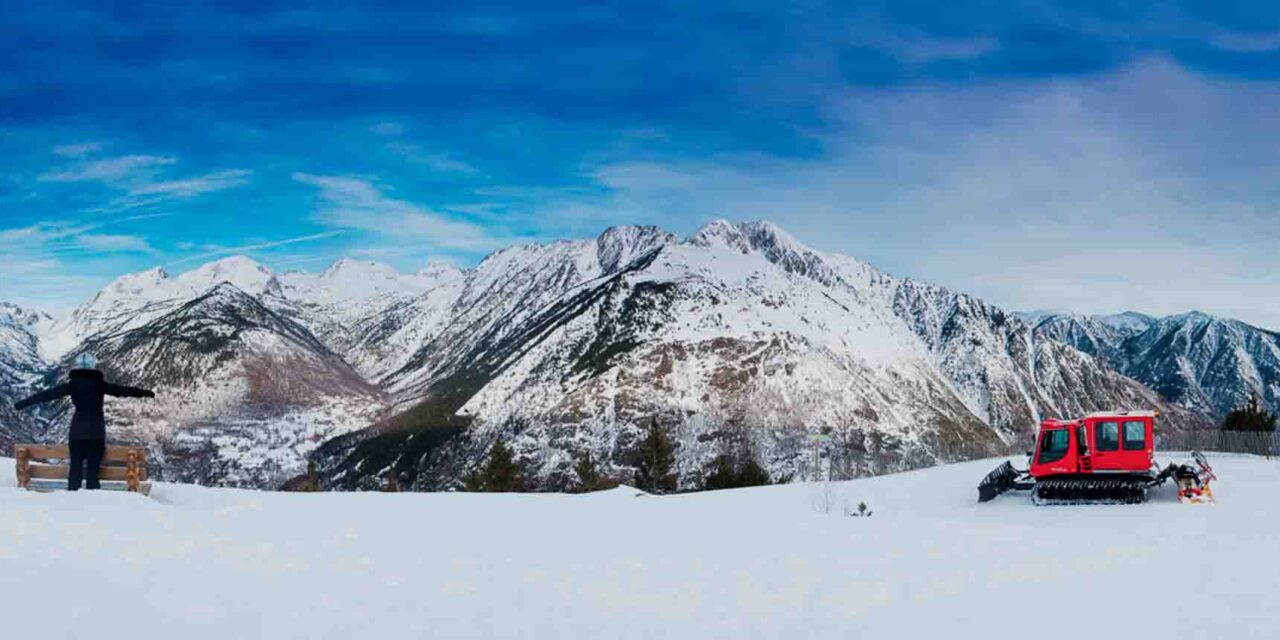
(87, 437)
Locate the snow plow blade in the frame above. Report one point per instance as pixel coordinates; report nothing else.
(1193, 482)
(1192, 479)
(1000, 480)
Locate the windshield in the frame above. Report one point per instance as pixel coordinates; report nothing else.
(1054, 445)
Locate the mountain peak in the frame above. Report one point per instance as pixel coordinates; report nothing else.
(345, 267)
(1130, 321)
(618, 246)
(769, 241)
(439, 269)
(761, 235)
(231, 265)
(716, 231)
(224, 290)
(1191, 319)
(244, 272)
(15, 314)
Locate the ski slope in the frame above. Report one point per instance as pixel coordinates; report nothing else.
(193, 562)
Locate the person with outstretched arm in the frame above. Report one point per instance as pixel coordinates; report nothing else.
(87, 438)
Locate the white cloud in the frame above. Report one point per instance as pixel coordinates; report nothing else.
(438, 162)
(1149, 189)
(57, 264)
(139, 178)
(109, 170)
(35, 235)
(50, 238)
(390, 129)
(259, 246)
(190, 187)
(354, 203)
(113, 243)
(77, 150)
(1244, 42)
(926, 49)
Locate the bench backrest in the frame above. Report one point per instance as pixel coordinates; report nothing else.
(128, 464)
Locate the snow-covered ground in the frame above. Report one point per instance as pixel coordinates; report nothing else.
(758, 563)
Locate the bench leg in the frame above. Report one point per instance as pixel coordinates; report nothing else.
(23, 463)
(131, 473)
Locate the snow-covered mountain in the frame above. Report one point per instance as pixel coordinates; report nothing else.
(577, 346)
(246, 388)
(135, 299)
(736, 336)
(1204, 362)
(243, 392)
(1099, 335)
(21, 369)
(369, 312)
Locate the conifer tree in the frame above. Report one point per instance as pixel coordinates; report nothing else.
(733, 471)
(722, 476)
(751, 474)
(1251, 417)
(589, 476)
(657, 456)
(500, 473)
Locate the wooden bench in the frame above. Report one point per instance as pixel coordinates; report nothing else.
(123, 468)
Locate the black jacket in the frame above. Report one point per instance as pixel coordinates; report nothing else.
(87, 388)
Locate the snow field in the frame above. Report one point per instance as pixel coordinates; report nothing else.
(755, 563)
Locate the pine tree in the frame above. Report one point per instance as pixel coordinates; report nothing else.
(500, 473)
(734, 471)
(751, 474)
(589, 476)
(313, 478)
(722, 476)
(657, 456)
(1251, 417)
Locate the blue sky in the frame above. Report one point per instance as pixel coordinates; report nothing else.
(1093, 156)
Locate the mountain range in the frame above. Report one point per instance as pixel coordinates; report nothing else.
(1203, 362)
(737, 336)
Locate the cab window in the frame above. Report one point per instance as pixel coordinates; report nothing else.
(1135, 435)
(1054, 445)
(1108, 436)
(1082, 440)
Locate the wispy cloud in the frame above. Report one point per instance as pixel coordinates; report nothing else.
(438, 162)
(55, 263)
(77, 149)
(1139, 190)
(189, 187)
(1244, 42)
(260, 246)
(923, 49)
(35, 235)
(140, 179)
(109, 170)
(113, 243)
(390, 129)
(52, 237)
(355, 203)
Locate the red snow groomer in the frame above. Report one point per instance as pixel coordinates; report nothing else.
(1103, 458)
